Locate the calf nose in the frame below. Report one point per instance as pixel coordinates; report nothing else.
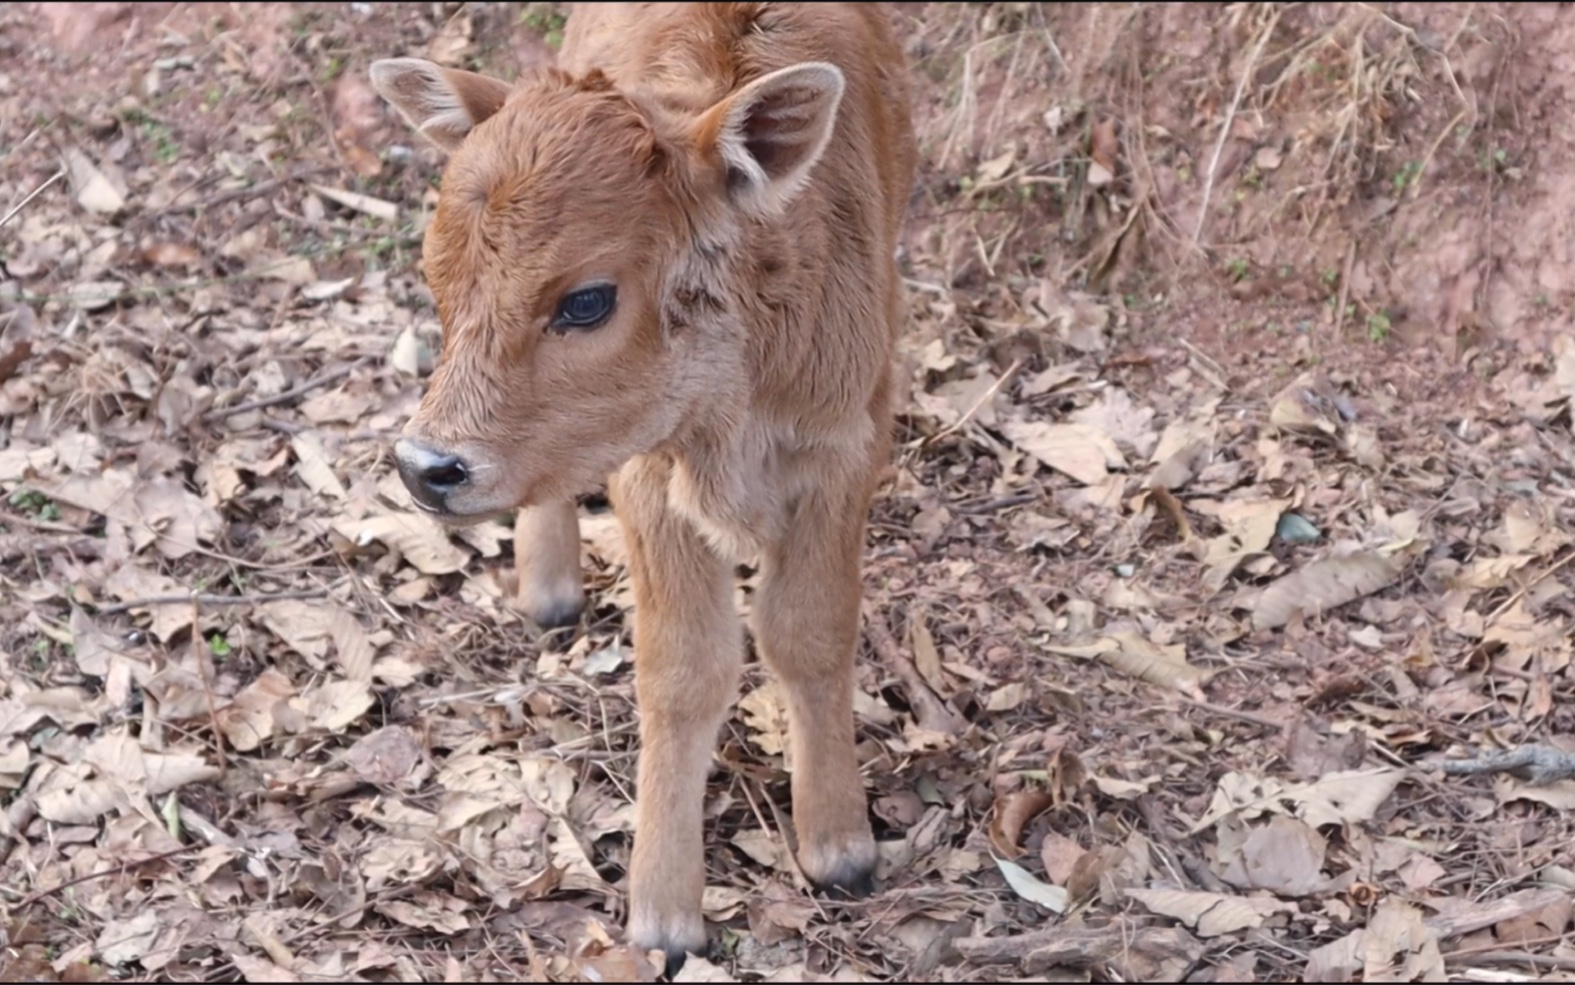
(429, 474)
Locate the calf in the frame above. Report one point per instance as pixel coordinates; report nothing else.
(670, 260)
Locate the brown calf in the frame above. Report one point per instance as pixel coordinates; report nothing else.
(671, 260)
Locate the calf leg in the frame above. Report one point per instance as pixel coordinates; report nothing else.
(806, 623)
(688, 649)
(547, 558)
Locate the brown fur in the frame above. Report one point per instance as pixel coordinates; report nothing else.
(739, 394)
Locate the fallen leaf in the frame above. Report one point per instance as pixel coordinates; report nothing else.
(427, 911)
(248, 720)
(386, 757)
(336, 705)
(764, 711)
(1130, 653)
(1284, 856)
(168, 254)
(1083, 452)
(1337, 961)
(452, 43)
(312, 465)
(926, 657)
(376, 207)
(1012, 812)
(183, 521)
(92, 188)
(1059, 854)
(81, 803)
(1024, 884)
(121, 942)
(1116, 415)
(764, 849)
(1322, 586)
(1399, 947)
(420, 539)
(1211, 914)
(1006, 697)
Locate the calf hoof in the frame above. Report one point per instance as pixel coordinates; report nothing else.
(560, 614)
(675, 939)
(848, 872)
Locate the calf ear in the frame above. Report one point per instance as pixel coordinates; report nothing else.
(770, 133)
(442, 103)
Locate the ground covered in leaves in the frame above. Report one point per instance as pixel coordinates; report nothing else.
(1232, 502)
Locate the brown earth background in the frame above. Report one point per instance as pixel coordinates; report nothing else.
(1233, 496)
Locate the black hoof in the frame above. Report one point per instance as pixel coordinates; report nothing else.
(849, 882)
(559, 616)
(676, 956)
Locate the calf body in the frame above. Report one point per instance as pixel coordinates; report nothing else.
(669, 260)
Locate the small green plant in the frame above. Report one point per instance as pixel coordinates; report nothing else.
(1237, 269)
(165, 148)
(1378, 326)
(1406, 176)
(35, 503)
(219, 646)
(334, 68)
(545, 21)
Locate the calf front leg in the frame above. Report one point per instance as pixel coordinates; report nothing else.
(547, 560)
(688, 649)
(806, 623)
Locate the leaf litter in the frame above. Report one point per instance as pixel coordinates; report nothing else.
(1202, 639)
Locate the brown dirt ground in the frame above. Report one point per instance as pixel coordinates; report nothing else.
(1234, 493)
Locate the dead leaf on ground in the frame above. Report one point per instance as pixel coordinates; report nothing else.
(92, 188)
(1012, 813)
(248, 720)
(1031, 888)
(1081, 451)
(1284, 856)
(420, 539)
(1130, 653)
(1322, 586)
(1211, 914)
(1399, 947)
(764, 711)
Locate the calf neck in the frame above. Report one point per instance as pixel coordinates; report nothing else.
(670, 260)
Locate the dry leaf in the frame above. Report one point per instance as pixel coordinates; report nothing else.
(248, 719)
(336, 705)
(1399, 947)
(1130, 653)
(375, 207)
(1284, 856)
(926, 657)
(419, 538)
(1024, 884)
(386, 757)
(312, 465)
(1083, 452)
(1012, 813)
(1211, 914)
(1322, 586)
(764, 711)
(93, 189)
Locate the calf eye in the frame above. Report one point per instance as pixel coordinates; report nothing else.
(585, 308)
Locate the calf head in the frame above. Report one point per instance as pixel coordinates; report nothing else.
(579, 255)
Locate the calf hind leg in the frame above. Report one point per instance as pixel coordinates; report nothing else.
(547, 558)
